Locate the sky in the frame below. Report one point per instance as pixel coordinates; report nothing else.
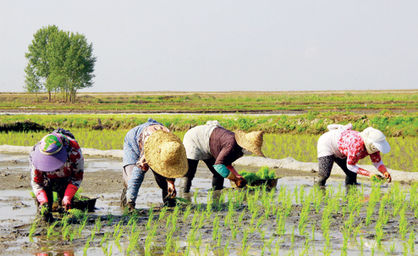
(225, 45)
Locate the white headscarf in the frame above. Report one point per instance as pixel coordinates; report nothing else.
(374, 141)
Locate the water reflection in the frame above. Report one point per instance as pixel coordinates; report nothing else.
(61, 253)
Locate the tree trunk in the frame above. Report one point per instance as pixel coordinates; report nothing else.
(49, 96)
(73, 94)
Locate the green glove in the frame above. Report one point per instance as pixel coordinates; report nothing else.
(222, 170)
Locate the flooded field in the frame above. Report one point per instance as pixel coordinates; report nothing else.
(293, 219)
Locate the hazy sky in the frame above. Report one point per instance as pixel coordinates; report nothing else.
(226, 44)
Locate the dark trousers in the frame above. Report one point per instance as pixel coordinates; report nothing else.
(325, 167)
(217, 179)
(162, 183)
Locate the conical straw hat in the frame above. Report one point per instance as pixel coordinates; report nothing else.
(165, 154)
(252, 141)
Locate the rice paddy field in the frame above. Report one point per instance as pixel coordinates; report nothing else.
(294, 218)
(300, 147)
(286, 136)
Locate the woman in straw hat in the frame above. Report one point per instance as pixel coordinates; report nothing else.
(152, 146)
(57, 164)
(218, 148)
(346, 147)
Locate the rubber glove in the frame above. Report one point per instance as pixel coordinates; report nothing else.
(222, 170)
(41, 197)
(236, 177)
(142, 163)
(382, 169)
(68, 195)
(171, 189)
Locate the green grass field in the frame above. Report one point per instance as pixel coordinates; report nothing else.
(390, 123)
(218, 102)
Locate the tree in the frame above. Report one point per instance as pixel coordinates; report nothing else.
(59, 61)
(32, 81)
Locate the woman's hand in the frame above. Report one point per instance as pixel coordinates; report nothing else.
(240, 182)
(236, 177)
(387, 176)
(171, 189)
(382, 169)
(142, 163)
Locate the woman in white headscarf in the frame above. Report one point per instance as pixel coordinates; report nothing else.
(346, 147)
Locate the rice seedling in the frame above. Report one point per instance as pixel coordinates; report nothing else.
(292, 237)
(162, 214)
(374, 198)
(411, 240)
(83, 224)
(226, 248)
(51, 230)
(107, 249)
(215, 230)
(98, 224)
(187, 212)
(260, 221)
(150, 220)
(304, 214)
(149, 240)
(32, 230)
(403, 223)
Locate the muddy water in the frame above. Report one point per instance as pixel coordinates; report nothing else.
(103, 180)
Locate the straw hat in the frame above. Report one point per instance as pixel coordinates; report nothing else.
(374, 141)
(251, 141)
(165, 154)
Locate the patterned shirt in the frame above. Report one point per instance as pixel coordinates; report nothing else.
(146, 132)
(134, 142)
(352, 146)
(73, 169)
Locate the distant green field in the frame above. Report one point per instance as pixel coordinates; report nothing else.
(293, 136)
(302, 147)
(392, 124)
(218, 102)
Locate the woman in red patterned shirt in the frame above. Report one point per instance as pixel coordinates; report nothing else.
(56, 164)
(346, 147)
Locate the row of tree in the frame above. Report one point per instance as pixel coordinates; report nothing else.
(59, 61)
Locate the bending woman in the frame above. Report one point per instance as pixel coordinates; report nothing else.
(346, 147)
(218, 148)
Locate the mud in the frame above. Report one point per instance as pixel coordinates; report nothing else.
(103, 180)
